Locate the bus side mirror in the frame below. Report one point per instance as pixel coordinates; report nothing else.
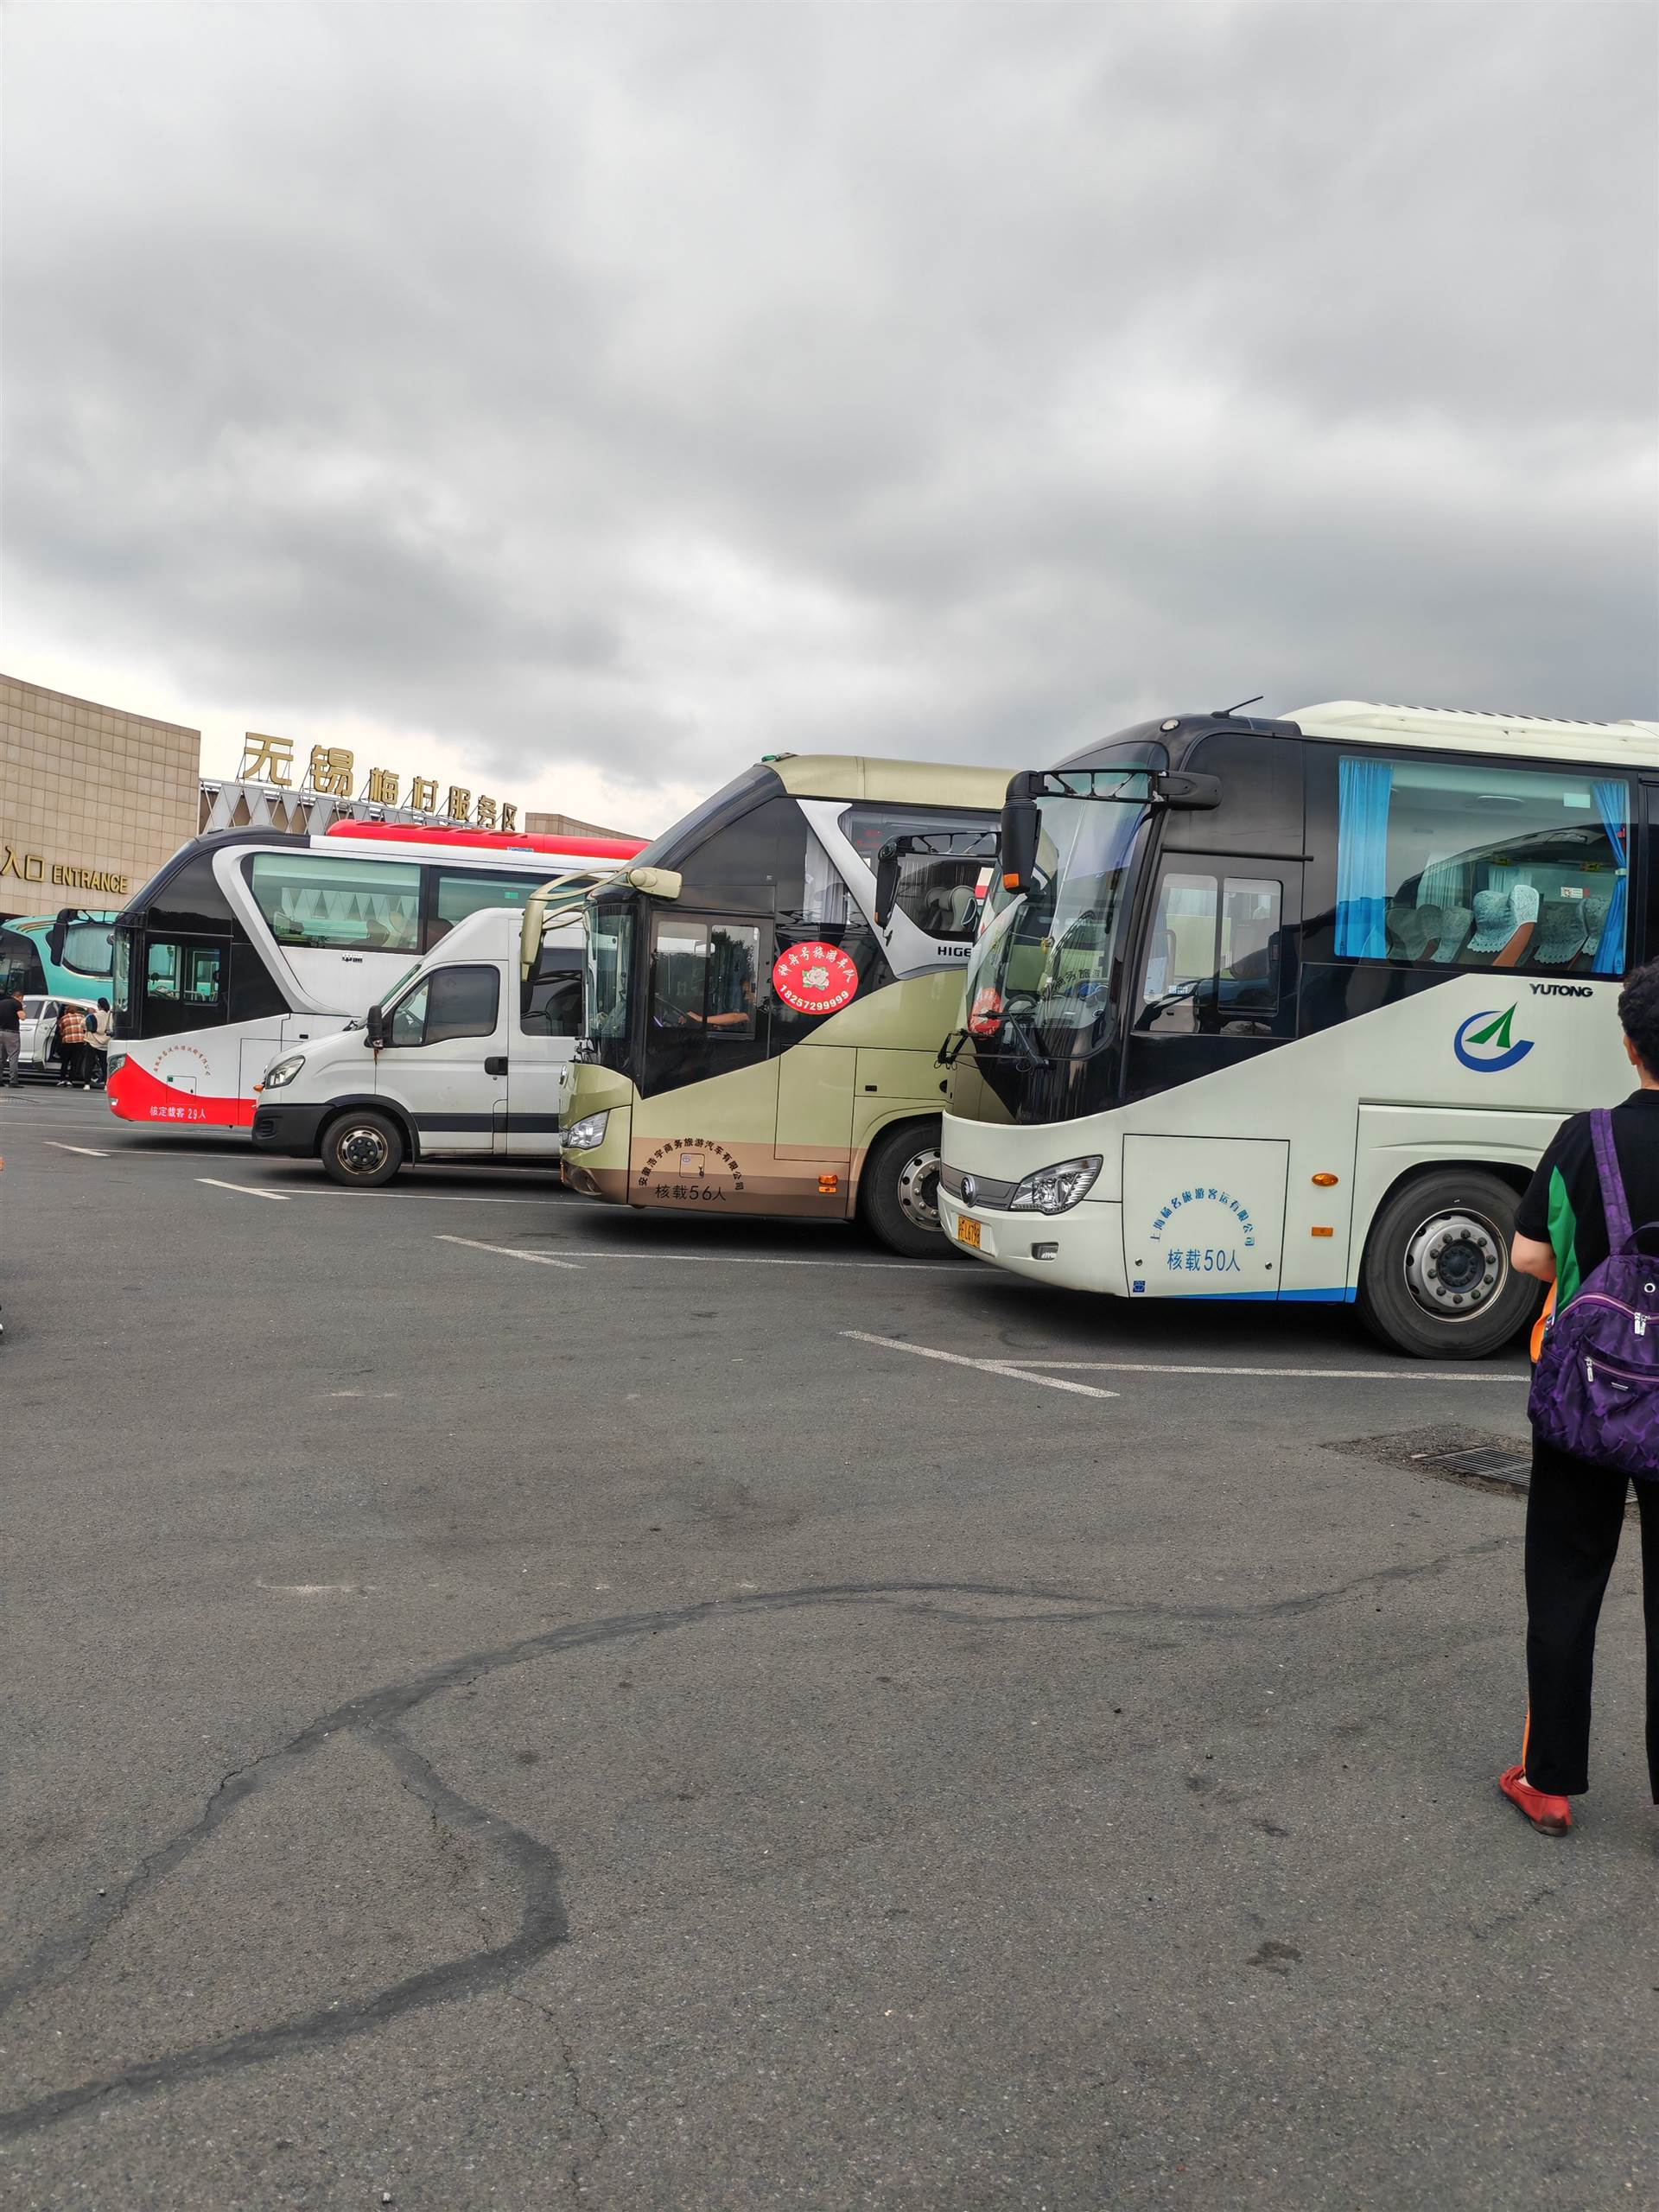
(58, 935)
(886, 882)
(376, 1026)
(1180, 789)
(655, 882)
(1017, 844)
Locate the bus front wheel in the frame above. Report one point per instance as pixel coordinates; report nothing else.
(1436, 1281)
(899, 1192)
(362, 1149)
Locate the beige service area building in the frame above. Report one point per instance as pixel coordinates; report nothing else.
(93, 800)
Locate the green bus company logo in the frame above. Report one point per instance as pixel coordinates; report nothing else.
(1484, 1042)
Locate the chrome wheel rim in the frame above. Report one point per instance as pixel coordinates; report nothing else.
(1455, 1263)
(919, 1188)
(363, 1149)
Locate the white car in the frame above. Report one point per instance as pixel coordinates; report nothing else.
(37, 1029)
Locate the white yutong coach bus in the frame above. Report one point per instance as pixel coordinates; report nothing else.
(1288, 1009)
(247, 944)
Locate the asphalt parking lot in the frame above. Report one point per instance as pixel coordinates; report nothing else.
(511, 1704)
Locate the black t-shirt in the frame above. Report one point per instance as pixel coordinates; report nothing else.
(1562, 1207)
(11, 1011)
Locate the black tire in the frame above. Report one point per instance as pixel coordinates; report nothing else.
(363, 1148)
(898, 1190)
(1436, 1280)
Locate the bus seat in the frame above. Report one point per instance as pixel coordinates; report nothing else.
(1501, 931)
(1454, 928)
(1595, 920)
(1412, 932)
(1560, 933)
(1525, 904)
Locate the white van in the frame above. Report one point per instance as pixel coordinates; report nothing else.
(467, 1059)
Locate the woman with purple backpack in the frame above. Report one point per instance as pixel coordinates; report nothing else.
(1595, 1412)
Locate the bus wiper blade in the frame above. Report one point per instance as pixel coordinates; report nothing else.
(1032, 1053)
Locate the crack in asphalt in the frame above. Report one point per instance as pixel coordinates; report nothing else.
(372, 1719)
(573, 2076)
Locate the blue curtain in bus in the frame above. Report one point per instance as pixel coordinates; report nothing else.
(1613, 800)
(1363, 859)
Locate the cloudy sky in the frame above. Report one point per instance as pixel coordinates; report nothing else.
(582, 401)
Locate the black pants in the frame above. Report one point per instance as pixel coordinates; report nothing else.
(1575, 1513)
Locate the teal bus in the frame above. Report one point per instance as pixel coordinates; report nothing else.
(63, 956)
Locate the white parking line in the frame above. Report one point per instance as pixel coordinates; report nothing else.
(87, 1150)
(734, 1260)
(985, 1366)
(432, 1197)
(510, 1252)
(248, 1190)
(1401, 1373)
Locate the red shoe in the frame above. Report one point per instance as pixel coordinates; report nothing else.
(1549, 1815)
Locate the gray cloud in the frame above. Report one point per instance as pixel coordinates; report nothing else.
(642, 389)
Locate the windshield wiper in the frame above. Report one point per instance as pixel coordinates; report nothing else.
(1031, 1054)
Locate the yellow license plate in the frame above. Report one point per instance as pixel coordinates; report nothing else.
(967, 1231)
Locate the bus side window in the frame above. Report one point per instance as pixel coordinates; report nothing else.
(703, 976)
(1213, 957)
(1480, 865)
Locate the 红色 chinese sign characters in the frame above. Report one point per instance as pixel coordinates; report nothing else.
(331, 770)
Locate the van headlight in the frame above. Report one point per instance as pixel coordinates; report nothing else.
(588, 1133)
(1057, 1189)
(283, 1071)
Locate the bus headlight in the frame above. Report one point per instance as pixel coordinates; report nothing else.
(587, 1134)
(114, 1066)
(1055, 1189)
(283, 1071)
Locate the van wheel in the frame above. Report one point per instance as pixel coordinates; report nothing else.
(362, 1149)
(1436, 1280)
(899, 1192)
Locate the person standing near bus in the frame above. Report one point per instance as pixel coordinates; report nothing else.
(98, 1039)
(1575, 1506)
(11, 1044)
(72, 1048)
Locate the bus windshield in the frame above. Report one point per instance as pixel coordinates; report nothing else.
(1040, 978)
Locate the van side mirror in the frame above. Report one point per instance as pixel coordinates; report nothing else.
(376, 1025)
(886, 882)
(1017, 844)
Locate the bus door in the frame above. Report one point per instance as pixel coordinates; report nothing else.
(1203, 1215)
(186, 985)
(1216, 982)
(708, 1107)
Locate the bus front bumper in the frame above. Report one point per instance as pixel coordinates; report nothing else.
(1082, 1249)
(289, 1130)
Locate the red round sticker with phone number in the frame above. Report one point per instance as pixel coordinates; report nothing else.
(815, 978)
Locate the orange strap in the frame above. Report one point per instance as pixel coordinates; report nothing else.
(1541, 1324)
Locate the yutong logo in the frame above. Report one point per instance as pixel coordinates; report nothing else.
(1490, 1050)
(1562, 991)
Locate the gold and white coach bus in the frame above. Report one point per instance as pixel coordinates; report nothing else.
(1287, 1010)
(762, 1030)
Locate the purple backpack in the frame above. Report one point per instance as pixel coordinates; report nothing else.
(1596, 1393)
